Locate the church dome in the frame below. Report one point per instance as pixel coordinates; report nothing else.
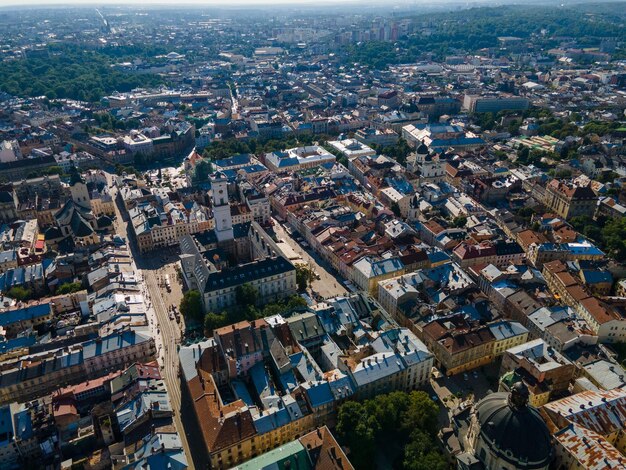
(6, 196)
(104, 221)
(53, 233)
(422, 149)
(75, 177)
(513, 430)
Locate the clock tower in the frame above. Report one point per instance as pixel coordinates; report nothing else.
(221, 207)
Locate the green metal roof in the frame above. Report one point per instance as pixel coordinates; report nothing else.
(292, 452)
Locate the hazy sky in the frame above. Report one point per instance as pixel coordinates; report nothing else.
(224, 3)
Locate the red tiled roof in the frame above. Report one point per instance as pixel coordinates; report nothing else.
(221, 425)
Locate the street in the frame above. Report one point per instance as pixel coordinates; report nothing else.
(327, 285)
(152, 268)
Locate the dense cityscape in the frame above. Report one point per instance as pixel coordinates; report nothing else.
(327, 237)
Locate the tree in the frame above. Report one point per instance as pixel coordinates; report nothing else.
(525, 213)
(356, 429)
(69, 288)
(614, 238)
(246, 295)
(69, 71)
(607, 177)
(304, 276)
(422, 413)
(486, 121)
(395, 208)
(513, 127)
(399, 151)
(213, 321)
(459, 221)
(523, 154)
(191, 306)
(202, 170)
(420, 455)
(397, 420)
(19, 293)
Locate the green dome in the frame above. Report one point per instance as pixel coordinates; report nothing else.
(513, 430)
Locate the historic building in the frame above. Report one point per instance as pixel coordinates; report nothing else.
(506, 433)
(570, 200)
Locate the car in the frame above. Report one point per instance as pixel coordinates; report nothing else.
(475, 374)
(465, 376)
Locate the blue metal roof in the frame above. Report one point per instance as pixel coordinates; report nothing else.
(288, 381)
(319, 393)
(15, 343)
(26, 313)
(241, 391)
(594, 276)
(261, 380)
(236, 160)
(6, 425)
(23, 424)
(438, 256)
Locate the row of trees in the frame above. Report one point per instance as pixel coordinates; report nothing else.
(24, 294)
(399, 426)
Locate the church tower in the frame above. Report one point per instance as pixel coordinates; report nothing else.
(221, 208)
(79, 190)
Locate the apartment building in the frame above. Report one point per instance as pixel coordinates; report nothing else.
(546, 372)
(273, 278)
(368, 272)
(568, 200)
(605, 322)
(299, 158)
(161, 225)
(587, 429)
(300, 369)
(494, 104)
(500, 253)
(396, 360)
(39, 374)
(460, 345)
